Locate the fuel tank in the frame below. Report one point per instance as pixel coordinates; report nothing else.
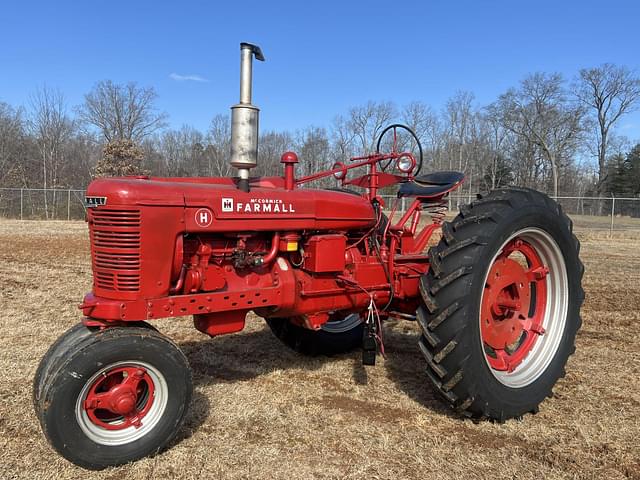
(216, 205)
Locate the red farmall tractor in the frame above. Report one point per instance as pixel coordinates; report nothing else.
(497, 300)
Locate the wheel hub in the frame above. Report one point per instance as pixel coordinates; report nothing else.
(123, 399)
(513, 305)
(120, 398)
(506, 304)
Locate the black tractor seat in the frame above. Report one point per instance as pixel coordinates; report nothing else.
(431, 185)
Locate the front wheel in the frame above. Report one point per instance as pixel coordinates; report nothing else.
(501, 304)
(108, 397)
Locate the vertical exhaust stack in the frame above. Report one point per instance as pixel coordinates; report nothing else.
(244, 119)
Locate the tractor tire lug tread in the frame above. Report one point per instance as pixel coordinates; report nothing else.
(449, 396)
(438, 357)
(449, 384)
(447, 233)
(435, 262)
(443, 315)
(474, 220)
(458, 246)
(438, 369)
(431, 337)
(459, 272)
(427, 298)
(453, 360)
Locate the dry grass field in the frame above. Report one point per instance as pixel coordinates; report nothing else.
(261, 411)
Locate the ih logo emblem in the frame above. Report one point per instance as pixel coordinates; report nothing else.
(227, 204)
(203, 217)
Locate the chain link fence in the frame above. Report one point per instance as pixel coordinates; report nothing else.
(41, 204)
(68, 204)
(596, 213)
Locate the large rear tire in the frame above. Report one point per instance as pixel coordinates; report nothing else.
(335, 337)
(108, 397)
(501, 304)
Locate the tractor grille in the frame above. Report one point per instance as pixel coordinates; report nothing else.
(115, 244)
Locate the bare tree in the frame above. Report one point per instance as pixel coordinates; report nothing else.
(82, 153)
(342, 138)
(183, 152)
(51, 128)
(272, 146)
(219, 145)
(540, 112)
(496, 173)
(312, 145)
(122, 112)
(367, 121)
(459, 115)
(610, 91)
(531, 136)
(420, 118)
(12, 133)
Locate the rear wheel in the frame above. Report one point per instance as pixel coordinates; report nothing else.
(501, 304)
(334, 337)
(112, 396)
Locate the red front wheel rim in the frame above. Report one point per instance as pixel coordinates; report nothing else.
(122, 402)
(120, 398)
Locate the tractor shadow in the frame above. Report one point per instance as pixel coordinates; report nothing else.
(243, 357)
(406, 368)
(246, 356)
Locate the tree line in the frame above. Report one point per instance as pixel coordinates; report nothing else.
(548, 132)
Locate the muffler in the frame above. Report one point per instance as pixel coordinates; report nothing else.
(244, 119)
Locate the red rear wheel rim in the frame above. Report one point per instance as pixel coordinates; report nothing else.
(513, 305)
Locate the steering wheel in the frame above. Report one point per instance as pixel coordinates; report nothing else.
(395, 126)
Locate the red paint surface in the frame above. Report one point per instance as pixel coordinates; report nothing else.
(120, 398)
(199, 246)
(513, 305)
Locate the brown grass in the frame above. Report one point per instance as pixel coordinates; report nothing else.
(260, 411)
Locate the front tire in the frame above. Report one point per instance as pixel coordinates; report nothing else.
(112, 396)
(501, 304)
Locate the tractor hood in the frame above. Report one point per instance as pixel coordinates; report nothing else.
(216, 204)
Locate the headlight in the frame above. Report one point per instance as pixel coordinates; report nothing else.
(406, 163)
(340, 174)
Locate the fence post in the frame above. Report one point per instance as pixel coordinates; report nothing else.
(69, 204)
(613, 210)
(21, 201)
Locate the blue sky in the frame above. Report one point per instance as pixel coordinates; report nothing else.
(322, 57)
